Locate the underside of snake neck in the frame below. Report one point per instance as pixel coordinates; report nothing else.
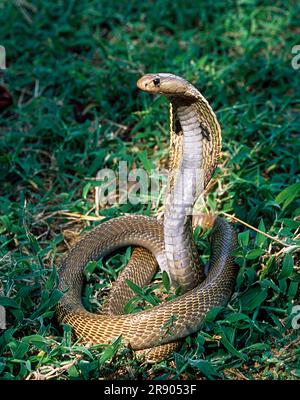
(186, 186)
(194, 150)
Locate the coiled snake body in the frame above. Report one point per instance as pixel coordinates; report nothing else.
(194, 151)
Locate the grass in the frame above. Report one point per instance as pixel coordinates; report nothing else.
(72, 68)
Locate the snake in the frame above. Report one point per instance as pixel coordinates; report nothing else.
(195, 145)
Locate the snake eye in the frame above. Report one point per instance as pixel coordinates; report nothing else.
(156, 81)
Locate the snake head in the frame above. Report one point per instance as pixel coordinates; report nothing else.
(166, 84)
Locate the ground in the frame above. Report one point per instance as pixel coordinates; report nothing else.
(69, 107)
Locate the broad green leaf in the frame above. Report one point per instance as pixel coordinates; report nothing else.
(205, 367)
(269, 284)
(253, 254)
(282, 284)
(51, 280)
(287, 267)
(37, 340)
(291, 223)
(132, 306)
(180, 362)
(137, 290)
(253, 298)
(224, 340)
(90, 268)
(47, 302)
(237, 317)
(147, 163)
(18, 314)
(4, 220)
(212, 314)
(293, 290)
(7, 302)
(150, 298)
(287, 195)
(166, 280)
(34, 243)
(85, 368)
(55, 296)
(86, 189)
(257, 347)
(21, 350)
(243, 238)
(73, 372)
(260, 238)
(111, 350)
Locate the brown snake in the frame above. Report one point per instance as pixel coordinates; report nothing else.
(194, 151)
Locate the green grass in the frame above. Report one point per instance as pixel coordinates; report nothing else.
(65, 58)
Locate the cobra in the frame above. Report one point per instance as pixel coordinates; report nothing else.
(154, 333)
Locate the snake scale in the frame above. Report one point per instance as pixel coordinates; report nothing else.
(194, 150)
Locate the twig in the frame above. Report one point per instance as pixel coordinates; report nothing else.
(255, 229)
(76, 216)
